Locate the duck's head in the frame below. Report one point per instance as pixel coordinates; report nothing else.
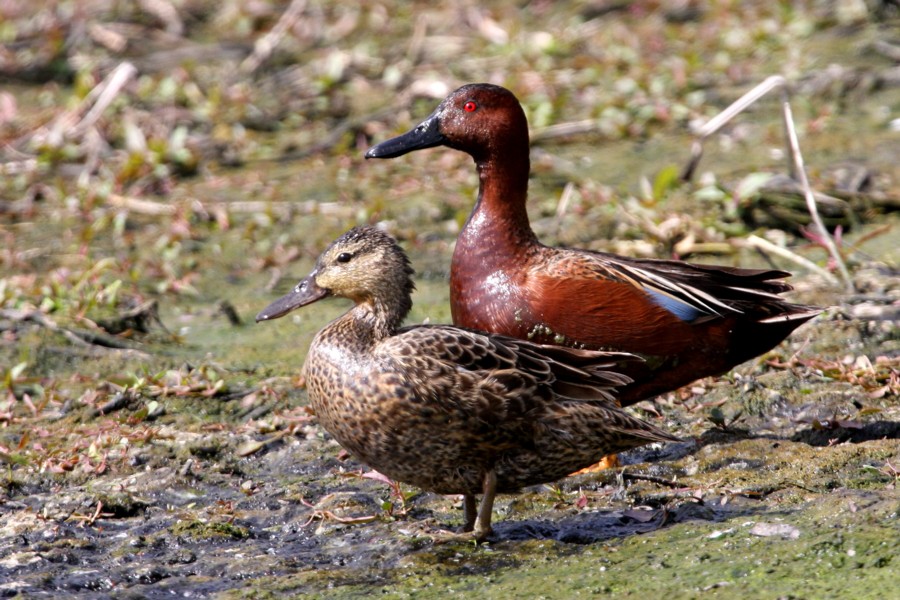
(364, 264)
(479, 119)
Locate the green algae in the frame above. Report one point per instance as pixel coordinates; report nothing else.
(718, 560)
(840, 540)
(198, 530)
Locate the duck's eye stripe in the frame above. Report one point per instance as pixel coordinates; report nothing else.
(470, 106)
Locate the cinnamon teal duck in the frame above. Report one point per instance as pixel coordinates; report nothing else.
(687, 321)
(448, 409)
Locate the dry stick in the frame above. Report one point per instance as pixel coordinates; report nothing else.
(83, 338)
(265, 45)
(765, 245)
(105, 93)
(279, 209)
(142, 206)
(70, 124)
(795, 166)
(716, 123)
(800, 170)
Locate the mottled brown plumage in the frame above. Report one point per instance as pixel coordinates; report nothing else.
(447, 409)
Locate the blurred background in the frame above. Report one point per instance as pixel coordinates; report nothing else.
(150, 132)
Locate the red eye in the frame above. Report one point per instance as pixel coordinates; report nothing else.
(470, 106)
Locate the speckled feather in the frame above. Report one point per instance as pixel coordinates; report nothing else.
(439, 406)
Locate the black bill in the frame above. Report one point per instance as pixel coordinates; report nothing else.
(305, 292)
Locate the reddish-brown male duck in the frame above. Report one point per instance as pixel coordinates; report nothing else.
(444, 408)
(688, 321)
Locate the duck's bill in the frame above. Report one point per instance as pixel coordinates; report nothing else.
(305, 292)
(426, 134)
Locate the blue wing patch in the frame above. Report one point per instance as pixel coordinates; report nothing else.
(682, 310)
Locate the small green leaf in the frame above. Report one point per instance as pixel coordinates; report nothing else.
(710, 193)
(666, 179)
(16, 372)
(751, 184)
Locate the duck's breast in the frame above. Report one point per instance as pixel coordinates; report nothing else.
(398, 417)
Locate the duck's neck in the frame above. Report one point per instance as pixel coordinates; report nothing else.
(374, 319)
(500, 214)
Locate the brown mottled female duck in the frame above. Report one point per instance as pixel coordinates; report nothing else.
(687, 321)
(448, 409)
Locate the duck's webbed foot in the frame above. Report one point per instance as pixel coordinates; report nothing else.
(477, 525)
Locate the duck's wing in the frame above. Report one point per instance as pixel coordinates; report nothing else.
(689, 291)
(573, 373)
(502, 377)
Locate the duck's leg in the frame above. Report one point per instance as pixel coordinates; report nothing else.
(483, 520)
(469, 507)
(478, 519)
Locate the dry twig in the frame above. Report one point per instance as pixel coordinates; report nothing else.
(796, 165)
(754, 241)
(152, 208)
